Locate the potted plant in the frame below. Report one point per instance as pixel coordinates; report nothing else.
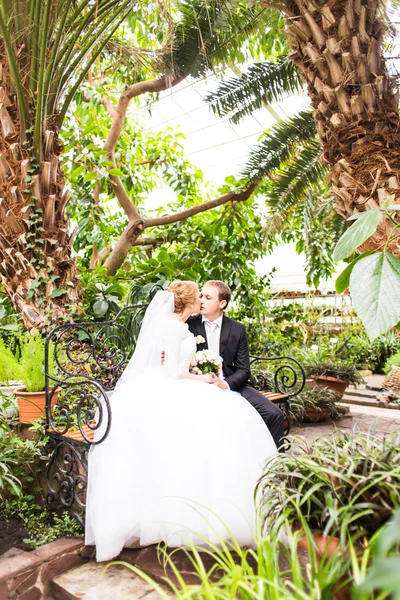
(27, 366)
(315, 404)
(334, 375)
(345, 484)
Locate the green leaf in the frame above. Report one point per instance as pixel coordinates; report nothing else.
(9, 327)
(78, 171)
(100, 307)
(89, 176)
(388, 201)
(384, 574)
(389, 535)
(56, 293)
(362, 229)
(116, 171)
(375, 291)
(343, 281)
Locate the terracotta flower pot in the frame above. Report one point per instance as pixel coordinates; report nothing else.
(337, 385)
(316, 415)
(75, 434)
(32, 405)
(325, 543)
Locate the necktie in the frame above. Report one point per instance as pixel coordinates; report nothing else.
(212, 336)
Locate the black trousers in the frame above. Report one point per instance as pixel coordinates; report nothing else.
(270, 413)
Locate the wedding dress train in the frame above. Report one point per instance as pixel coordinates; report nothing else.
(180, 463)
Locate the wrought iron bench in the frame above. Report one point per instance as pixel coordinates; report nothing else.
(83, 362)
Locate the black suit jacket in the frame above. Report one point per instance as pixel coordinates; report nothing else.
(233, 349)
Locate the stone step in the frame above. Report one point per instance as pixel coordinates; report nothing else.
(365, 393)
(377, 413)
(97, 581)
(362, 400)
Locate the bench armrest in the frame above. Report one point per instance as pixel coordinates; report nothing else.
(282, 374)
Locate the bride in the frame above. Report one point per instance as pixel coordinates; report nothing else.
(182, 457)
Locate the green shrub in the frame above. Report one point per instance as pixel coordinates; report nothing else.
(393, 361)
(43, 527)
(8, 364)
(28, 365)
(345, 484)
(340, 370)
(16, 460)
(382, 348)
(317, 397)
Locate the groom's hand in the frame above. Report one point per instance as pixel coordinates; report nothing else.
(219, 382)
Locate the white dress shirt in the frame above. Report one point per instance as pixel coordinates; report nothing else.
(213, 334)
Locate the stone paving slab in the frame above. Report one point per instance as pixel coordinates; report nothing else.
(94, 581)
(378, 421)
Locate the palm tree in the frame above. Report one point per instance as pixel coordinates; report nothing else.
(47, 48)
(338, 49)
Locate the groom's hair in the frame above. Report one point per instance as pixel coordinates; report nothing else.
(224, 292)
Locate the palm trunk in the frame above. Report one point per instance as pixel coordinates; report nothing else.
(337, 47)
(36, 267)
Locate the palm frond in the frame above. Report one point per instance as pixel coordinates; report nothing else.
(292, 182)
(207, 31)
(278, 145)
(264, 82)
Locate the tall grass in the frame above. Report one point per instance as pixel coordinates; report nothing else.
(275, 570)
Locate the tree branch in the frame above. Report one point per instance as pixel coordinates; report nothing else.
(131, 234)
(199, 208)
(148, 241)
(142, 87)
(109, 106)
(123, 246)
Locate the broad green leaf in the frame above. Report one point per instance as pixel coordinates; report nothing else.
(362, 229)
(384, 574)
(100, 307)
(83, 335)
(343, 281)
(56, 293)
(394, 207)
(390, 535)
(2, 311)
(116, 171)
(89, 176)
(78, 171)
(9, 327)
(375, 292)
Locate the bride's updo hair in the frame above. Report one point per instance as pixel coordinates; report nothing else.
(185, 293)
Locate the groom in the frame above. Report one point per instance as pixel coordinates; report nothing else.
(228, 339)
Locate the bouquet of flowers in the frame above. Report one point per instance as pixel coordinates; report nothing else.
(206, 361)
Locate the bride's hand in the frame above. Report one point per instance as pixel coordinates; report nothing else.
(207, 378)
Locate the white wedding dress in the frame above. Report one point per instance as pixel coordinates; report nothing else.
(181, 460)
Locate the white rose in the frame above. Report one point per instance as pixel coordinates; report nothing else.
(199, 339)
